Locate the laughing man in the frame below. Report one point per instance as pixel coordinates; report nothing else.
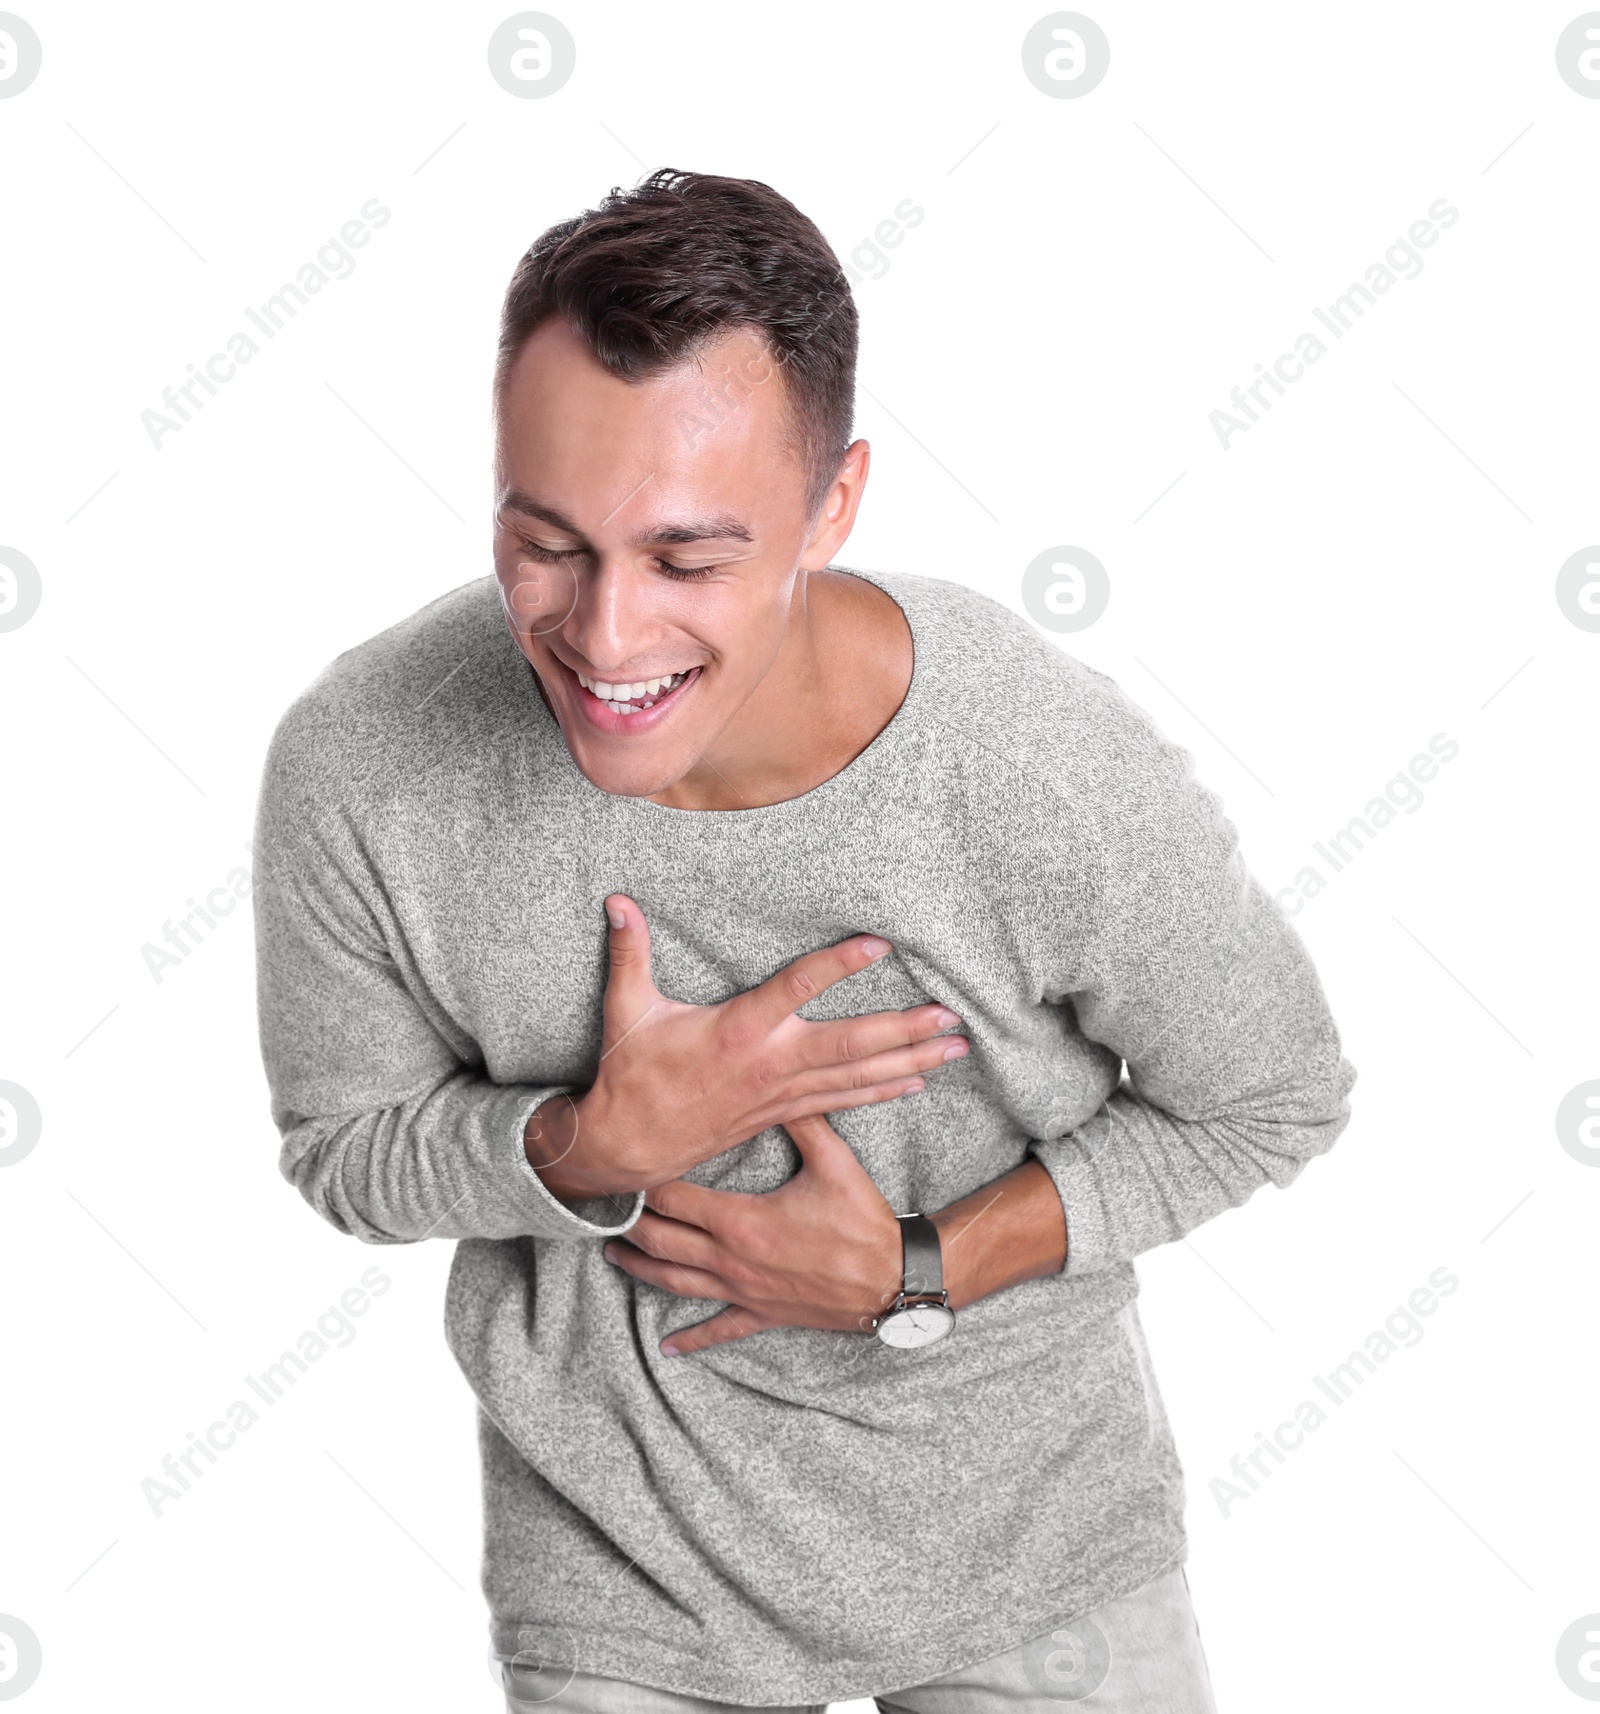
(739, 961)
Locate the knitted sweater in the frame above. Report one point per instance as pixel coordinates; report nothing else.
(802, 1515)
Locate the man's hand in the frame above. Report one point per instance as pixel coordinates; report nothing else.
(678, 1084)
(822, 1250)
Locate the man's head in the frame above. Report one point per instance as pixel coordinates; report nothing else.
(674, 395)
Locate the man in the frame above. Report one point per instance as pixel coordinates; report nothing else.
(668, 954)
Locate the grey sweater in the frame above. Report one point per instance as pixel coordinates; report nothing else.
(800, 1515)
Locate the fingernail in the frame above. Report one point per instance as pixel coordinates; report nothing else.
(669, 1350)
(617, 917)
(874, 947)
(955, 1050)
(947, 1018)
(609, 1252)
(915, 1086)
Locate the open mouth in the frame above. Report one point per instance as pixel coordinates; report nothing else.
(634, 698)
(622, 707)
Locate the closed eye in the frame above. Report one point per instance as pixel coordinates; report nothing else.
(681, 573)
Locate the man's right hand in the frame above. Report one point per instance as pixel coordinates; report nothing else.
(678, 1084)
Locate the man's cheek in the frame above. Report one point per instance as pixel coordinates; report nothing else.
(536, 598)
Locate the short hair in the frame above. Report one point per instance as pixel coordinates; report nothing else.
(657, 273)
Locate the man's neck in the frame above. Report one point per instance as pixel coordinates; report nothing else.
(843, 672)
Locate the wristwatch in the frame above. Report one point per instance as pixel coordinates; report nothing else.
(921, 1312)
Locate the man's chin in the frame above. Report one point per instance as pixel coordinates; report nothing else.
(637, 776)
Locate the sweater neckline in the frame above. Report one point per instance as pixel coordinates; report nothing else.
(836, 785)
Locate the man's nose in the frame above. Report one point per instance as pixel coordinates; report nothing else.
(609, 626)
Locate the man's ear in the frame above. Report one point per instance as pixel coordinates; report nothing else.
(836, 516)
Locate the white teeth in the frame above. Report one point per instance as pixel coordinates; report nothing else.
(621, 695)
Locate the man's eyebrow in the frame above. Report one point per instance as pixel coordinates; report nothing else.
(515, 500)
(720, 527)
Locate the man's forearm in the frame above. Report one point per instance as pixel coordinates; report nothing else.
(824, 1250)
(1012, 1229)
(552, 1140)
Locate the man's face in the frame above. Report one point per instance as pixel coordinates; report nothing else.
(648, 541)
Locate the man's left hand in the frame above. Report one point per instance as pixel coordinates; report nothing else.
(822, 1250)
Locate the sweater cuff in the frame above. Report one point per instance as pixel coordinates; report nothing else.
(590, 1217)
(1070, 1166)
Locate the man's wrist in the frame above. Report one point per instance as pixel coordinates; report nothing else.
(553, 1141)
(1011, 1230)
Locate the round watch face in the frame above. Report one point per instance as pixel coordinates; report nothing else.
(916, 1324)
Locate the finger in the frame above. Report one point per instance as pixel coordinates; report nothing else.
(884, 1067)
(824, 1153)
(693, 1204)
(809, 976)
(630, 987)
(670, 1276)
(674, 1241)
(732, 1323)
(842, 1039)
(806, 1129)
(821, 1147)
(840, 1100)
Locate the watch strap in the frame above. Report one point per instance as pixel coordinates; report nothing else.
(924, 1261)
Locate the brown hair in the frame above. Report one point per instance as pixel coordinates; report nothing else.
(655, 274)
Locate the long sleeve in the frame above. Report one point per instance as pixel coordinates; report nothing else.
(1191, 974)
(387, 1132)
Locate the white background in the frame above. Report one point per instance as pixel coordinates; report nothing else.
(1372, 564)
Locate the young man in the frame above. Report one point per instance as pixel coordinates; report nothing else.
(670, 952)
